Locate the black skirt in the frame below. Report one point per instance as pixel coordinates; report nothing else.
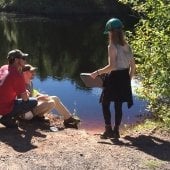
(117, 87)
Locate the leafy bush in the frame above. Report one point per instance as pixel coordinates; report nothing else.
(151, 44)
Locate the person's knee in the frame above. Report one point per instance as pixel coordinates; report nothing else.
(51, 104)
(44, 107)
(56, 99)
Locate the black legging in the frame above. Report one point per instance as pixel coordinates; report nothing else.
(107, 113)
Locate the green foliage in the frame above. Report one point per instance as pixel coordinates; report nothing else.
(151, 44)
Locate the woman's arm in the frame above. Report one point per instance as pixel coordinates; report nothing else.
(111, 62)
(132, 67)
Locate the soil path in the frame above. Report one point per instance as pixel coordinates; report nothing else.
(34, 146)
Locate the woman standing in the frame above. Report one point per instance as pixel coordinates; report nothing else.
(117, 83)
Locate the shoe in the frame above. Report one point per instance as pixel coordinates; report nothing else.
(40, 118)
(8, 122)
(108, 133)
(72, 122)
(116, 133)
(74, 126)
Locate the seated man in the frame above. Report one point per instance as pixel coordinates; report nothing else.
(47, 103)
(12, 84)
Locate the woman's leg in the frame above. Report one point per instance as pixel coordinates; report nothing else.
(118, 118)
(118, 113)
(108, 133)
(106, 113)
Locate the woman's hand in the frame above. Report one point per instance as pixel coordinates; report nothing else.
(94, 74)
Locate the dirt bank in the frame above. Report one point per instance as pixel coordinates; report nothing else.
(34, 146)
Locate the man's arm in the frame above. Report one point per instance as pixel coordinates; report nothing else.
(25, 96)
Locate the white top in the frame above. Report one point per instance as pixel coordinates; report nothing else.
(123, 57)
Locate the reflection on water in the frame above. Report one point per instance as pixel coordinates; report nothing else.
(62, 49)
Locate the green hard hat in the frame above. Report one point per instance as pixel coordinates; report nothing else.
(113, 23)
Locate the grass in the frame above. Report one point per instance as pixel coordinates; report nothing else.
(153, 164)
(149, 125)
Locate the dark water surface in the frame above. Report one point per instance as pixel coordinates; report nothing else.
(62, 49)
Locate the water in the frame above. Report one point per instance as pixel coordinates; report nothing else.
(62, 49)
(86, 103)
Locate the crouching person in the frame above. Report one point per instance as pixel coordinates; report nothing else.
(45, 102)
(12, 84)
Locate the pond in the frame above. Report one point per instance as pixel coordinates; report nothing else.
(61, 49)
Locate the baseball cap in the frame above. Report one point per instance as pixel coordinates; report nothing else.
(16, 54)
(29, 67)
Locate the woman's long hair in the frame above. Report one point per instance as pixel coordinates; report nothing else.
(117, 37)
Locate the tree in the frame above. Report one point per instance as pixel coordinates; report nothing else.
(151, 44)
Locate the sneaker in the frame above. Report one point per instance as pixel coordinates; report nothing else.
(72, 122)
(108, 133)
(116, 133)
(40, 118)
(74, 126)
(8, 122)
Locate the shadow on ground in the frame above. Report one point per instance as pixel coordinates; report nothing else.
(151, 145)
(20, 138)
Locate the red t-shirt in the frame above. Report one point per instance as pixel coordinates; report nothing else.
(12, 84)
